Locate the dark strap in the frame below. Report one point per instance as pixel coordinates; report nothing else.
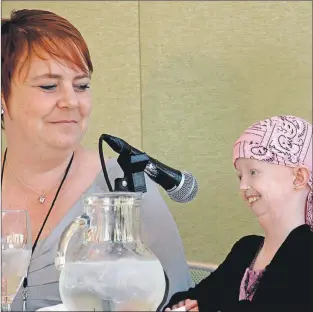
(50, 209)
(4, 159)
(53, 202)
(104, 169)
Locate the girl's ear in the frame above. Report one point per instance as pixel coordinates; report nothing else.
(302, 176)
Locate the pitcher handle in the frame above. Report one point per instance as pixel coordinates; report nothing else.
(80, 223)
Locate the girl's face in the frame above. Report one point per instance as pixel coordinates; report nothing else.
(265, 187)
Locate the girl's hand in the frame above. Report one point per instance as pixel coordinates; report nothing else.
(190, 305)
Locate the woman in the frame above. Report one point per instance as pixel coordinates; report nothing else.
(46, 104)
(273, 159)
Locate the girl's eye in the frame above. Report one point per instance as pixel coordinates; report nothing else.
(48, 87)
(253, 172)
(239, 177)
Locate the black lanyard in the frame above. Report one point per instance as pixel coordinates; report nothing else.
(25, 282)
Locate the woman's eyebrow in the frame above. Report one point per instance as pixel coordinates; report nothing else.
(57, 76)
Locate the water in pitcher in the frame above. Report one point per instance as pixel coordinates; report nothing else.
(14, 267)
(90, 286)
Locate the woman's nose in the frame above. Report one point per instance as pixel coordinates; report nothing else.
(68, 99)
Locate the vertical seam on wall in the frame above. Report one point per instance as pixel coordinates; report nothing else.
(140, 76)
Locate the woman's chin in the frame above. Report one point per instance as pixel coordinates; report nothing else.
(64, 142)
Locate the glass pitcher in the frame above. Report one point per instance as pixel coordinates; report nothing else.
(104, 264)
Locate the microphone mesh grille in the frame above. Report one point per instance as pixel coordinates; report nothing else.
(186, 191)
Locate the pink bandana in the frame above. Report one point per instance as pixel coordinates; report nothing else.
(280, 140)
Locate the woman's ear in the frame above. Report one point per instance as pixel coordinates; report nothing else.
(302, 176)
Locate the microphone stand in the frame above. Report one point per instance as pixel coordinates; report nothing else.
(133, 167)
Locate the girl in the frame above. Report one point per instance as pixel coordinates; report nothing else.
(273, 159)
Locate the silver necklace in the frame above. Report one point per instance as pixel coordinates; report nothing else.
(42, 195)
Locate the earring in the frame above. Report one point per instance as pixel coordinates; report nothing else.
(2, 110)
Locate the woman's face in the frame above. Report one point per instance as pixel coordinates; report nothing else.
(49, 104)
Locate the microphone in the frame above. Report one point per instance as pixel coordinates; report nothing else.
(181, 186)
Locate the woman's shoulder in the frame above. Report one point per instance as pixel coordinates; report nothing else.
(89, 160)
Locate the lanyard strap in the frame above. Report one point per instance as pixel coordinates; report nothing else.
(25, 282)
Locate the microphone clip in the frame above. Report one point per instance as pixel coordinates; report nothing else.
(133, 167)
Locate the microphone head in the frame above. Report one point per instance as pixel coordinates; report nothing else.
(187, 189)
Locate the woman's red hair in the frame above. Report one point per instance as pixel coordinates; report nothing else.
(29, 32)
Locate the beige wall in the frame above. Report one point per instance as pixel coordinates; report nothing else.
(183, 79)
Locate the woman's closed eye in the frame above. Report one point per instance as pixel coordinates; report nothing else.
(82, 87)
(48, 87)
(53, 87)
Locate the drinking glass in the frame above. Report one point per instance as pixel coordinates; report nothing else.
(16, 250)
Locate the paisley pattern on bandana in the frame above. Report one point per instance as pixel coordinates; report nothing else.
(281, 140)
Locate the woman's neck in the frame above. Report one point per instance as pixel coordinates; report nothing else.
(38, 170)
(36, 161)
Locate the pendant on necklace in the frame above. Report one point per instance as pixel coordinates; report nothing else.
(42, 198)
